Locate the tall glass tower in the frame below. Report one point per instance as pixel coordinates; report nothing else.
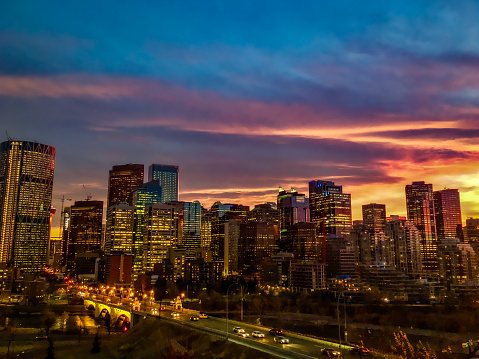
(123, 180)
(26, 183)
(420, 211)
(167, 176)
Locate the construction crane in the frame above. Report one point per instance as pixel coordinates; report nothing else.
(88, 194)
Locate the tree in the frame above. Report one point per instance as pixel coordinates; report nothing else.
(64, 319)
(50, 353)
(405, 350)
(48, 320)
(96, 344)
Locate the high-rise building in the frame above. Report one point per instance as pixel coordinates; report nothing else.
(374, 216)
(84, 230)
(330, 208)
(420, 211)
(191, 228)
(406, 240)
(119, 228)
(26, 182)
(257, 241)
(123, 180)
(161, 232)
(447, 206)
(220, 214)
(167, 177)
(293, 208)
(146, 194)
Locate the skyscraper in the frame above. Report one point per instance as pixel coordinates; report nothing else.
(85, 230)
(330, 208)
(167, 176)
(146, 194)
(26, 182)
(293, 208)
(123, 180)
(447, 206)
(420, 211)
(374, 216)
(119, 229)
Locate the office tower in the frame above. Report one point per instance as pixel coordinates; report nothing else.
(220, 214)
(420, 211)
(146, 194)
(406, 240)
(120, 228)
(205, 233)
(84, 230)
(265, 212)
(293, 208)
(191, 228)
(374, 216)
(232, 235)
(257, 241)
(167, 177)
(307, 276)
(447, 206)
(330, 209)
(123, 180)
(161, 232)
(305, 245)
(26, 182)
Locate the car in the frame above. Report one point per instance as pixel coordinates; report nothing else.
(257, 334)
(194, 318)
(203, 315)
(238, 330)
(243, 334)
(175, 314)
(281, 340)
(154, 311)
(275, 331)
(330, 352)
(361, 351)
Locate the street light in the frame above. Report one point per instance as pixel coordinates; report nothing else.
(339, 324)
(232, 284)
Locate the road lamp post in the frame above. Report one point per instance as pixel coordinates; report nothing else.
(339, 323)
(227, 297)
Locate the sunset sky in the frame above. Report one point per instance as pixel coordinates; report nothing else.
(247, 96)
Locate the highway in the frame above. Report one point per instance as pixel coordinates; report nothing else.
(299, 346)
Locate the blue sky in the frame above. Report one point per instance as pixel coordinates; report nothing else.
(247, 96)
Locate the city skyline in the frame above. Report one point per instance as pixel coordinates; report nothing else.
(247, 98)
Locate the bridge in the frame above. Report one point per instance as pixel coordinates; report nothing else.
(115, 315)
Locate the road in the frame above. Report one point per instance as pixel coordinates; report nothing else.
(299, 346)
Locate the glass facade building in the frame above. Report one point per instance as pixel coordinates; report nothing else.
(123, 180)
(26, 183)
(119, 229)
(420, 211)
(167, 176)
(448, 213)
(85, 230)
(148, 193)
